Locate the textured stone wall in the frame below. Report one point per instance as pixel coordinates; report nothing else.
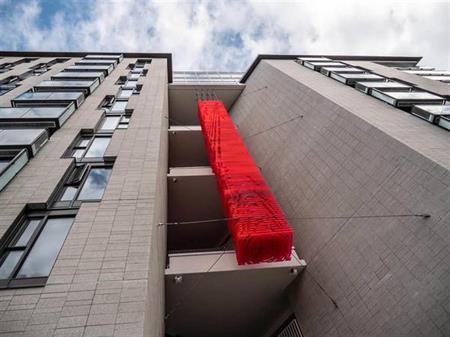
(332, 155)
(107, 280)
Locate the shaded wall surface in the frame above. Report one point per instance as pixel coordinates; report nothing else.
(339, 162)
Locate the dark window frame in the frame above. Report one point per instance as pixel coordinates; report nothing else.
(4, 89)
(124, 120)
(121, 80)
(13, 234)
(107, 102)
(75, 145)
(70, 180)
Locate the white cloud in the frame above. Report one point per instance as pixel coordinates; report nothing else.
(227, 35)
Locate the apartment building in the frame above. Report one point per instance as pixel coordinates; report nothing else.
(113, 223)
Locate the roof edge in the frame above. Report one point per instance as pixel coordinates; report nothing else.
(260, 57)
(167, 56)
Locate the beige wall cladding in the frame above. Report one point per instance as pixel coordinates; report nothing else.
(29, 82)
(107, 280)
(37, 180)
(343, 156)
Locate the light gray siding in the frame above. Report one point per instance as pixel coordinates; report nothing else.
(345, 154)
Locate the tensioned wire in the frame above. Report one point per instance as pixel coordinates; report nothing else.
(296, 218)
(201, 96)
(228, 246)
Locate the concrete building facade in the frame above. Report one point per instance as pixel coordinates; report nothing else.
(139, 245)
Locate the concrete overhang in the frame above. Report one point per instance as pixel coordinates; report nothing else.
(183, 99)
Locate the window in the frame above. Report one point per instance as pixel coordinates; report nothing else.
(77, 68)
(5, 67)
(84, 86)
(11, 162)
(121, 80)
(89, 146)
(97, 147)
(134, 76)
(48, 99)
(109, 123)
(8, 84)
(6, 88)
(113, 120)
(26, 60)
(125, 93)
(124, 121)
(119, 106)
(111, 104)
(78, 76)
(8, 66)
(142, 62)
(40, 68)
(116, 57)
(86, 182)
(407, 99)
(107, 102)
(130, 84)
(31, 246)
(95, 184)
(31, 139)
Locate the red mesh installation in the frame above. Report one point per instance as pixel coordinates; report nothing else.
(258, 227)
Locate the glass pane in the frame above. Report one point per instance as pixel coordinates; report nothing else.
(76, 174)
(98, 147)
(83, 142)
(95, 184)
(45, 112)
(123, 126)
(125, 93)
(119, 106)
(26, 235)
(4, 163)
(77, 153)
(69, 193)
(9, 263)
(43, 255)
(413, 95)
(131, 84)
(19, 136)
(110, 123)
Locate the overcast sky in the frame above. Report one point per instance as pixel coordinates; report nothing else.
(227, 35)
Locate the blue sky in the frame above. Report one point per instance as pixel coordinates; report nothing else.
(228, 34)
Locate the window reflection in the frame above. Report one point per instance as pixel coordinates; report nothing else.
(43, 255)
(9, 263)
(95, 184)
(110, 123)
(98, 147)
(27, 233)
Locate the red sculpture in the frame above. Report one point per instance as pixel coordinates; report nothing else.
(257, 225)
